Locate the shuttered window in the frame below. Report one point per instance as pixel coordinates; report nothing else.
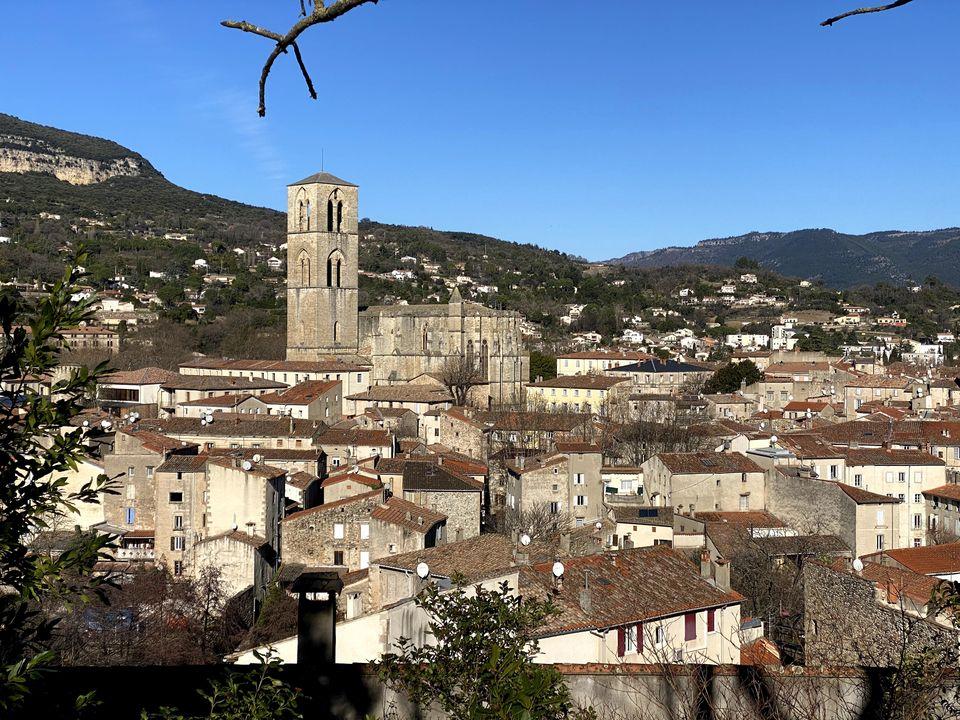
(690, 626)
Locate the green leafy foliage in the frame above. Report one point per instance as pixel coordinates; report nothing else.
(730, 377)
(481, 666)
(35, 455)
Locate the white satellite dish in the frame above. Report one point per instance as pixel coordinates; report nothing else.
(524, 539)
(209, 418)
(558, 569)
(423, 570)
(598, 525)
(86, 423)
(105, 424)
(203, 421)
(858, 565)
(247, 465)
(257, 458)
(773, 438)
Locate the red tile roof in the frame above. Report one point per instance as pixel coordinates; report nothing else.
(882, 456)
(951, 491)
(699, 463)
(397, 511)
(143, 376)
(302, 394)
(927, 560)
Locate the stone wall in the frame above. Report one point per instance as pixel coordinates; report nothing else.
(461, 508)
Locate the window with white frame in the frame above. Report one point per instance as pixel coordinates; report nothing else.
(581, 500)
(578, 479)
(364, 531)
(858, 480)
(338, 531)
(630, 639)
(658, 635)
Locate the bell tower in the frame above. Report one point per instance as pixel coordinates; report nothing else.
(322, 259)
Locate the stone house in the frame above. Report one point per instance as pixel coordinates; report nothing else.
(243, 559)
(401, 422)
(943, 513)
(872, 388)
(416, 398)
(730, 406)
(595, 362)
(661, 376)
(537, 484)
(902, 474)
(584, 479)
(351, 445)
(463, 429)
(349, 482)
(246, 497)
(133, 390)
(704, 481)
(257, 432)
(434, 485)
(354, 531)
(310, 400)
(181, 509)
(588, 394)
(640, 525)
(186, 388)
(864, 521)
(511, 431)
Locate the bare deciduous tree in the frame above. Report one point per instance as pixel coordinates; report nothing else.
(864, 11)
(458, 375)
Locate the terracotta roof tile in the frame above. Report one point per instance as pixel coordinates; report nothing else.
(950, 491)
(397, 511)
(927, 560)
(708, 463)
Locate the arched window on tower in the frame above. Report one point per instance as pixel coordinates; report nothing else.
(304, 270)
(336, 331)
(470, 353)
(484, 358)
(300, 215)
(330, 271)
(425, 341)
(338, 272)
(339, 215)
(308, 214)
(329, 215)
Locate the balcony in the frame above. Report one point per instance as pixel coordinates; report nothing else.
(135, 553)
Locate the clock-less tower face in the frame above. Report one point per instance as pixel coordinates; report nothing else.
(322, 260)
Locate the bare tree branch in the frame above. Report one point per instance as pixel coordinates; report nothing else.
(864, 11)
(319, 14)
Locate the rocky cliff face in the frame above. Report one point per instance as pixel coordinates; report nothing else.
(20, 154)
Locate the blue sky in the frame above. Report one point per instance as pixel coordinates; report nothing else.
(597, 128)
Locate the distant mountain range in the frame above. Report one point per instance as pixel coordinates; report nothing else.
(840, 260)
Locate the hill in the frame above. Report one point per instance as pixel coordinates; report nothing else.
(838, 259)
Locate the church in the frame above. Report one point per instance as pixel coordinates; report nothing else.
(403, 343)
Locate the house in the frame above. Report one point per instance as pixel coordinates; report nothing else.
(641, 525)
(311, 399)
(133, 390)
(874, 387)
(418, 398)
(181, 389)
(354, 531)
(590, 394)
(235, 432)
(351, 445)
(590, 362)
(943, 513)
(180, 486)
(622, 480)
(90, 337)
(349, 481)
(704, 481)
(864, 521)
(566, 483)
(939, 561)
(660, 376)
(233, 403)
(275, 263)
(730, 406)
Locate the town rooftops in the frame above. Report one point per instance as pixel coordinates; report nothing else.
(432, 477)
(699, 463)
(157, 442)
(351, 476)
(143, 376)
(356, 437)
(864, 497)
(183, 464)
(655, 365)
(927, 560)
(219, 382)
(302, 394)
(398, 511)
(632, 355)
(236, 426)
(301, 480)
(882, 456)
(747, 518)
(405, 393)
(626, 587)
(322, 178)
(950, 491)
(289, 366)
(375, 496)
(580, 382)
(226, 401)
(879, 381)
(804, 405)
(809, 447)
(267, 472)
(642, 515)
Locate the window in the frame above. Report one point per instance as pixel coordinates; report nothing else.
(901, 477)
(630, 639)
(917, 521)
(917, 497)
(581, 501)
(149, 471)
(901, 497)
(744, 502)
(658, 635)
(364, 531)
(916, 542)
(338, 532)
(711, 621)
(879, 542)
(364, 559)
(578, 479)
(177, 542)
(130, 515)
(178, 567)
(178, 522)
(554, 508)
(338, 557)
(690, 626)
(176, 497)
(834, 472)
(131, 471)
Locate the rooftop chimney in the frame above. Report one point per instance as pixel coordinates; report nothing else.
(706, 571)
(722, 577)
(565, 542)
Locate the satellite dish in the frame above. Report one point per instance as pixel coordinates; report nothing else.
(423, 570)
(203, 421)
(257, 458)
(209, 418)
(773, 438)
(858, 565)
(524, 539)
(789, 397)
(558, 569)
(598, 525)
(105, 424)
(86, 423)
(247, 465)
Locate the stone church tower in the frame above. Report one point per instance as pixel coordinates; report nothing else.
(322, 258)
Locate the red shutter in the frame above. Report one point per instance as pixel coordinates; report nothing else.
(711, 620)
(639, 637)
(690, 626)
(621, 642)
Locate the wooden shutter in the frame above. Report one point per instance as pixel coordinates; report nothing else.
(639, 637)
(711, 620)
(621, 641)
(690, 626)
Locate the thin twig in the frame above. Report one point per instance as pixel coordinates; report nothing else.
(319, 14)
(864, 11)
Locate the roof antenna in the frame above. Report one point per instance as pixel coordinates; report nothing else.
(321, 159)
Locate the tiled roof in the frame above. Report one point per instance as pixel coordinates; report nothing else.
(865, 497)
(655, 365)
(155, 441)
(728, 399)
(574, 448)
(260, 470)
(631, 355)
(231, 400)
(950, 491)
(254, 541)
(237, 426)
(882, 456)
(268, 454)
(397, 511)
(627, 586)
(356, 436)
(642, 515)
(314, 366)
(183, 463)
(809, 447)
(863, 432)
(373, 496)
(301, 480)
(429, 477)
(708, 463)
(143, 376)
(896, 581)
(476, 558)
(745, 518)
(580, 382)
(804, 405)
(536, 463)
(351, 477)
(404, 393)
(324, 178)
(302, 394)
(879, 381)
(927, 560)
(218, 382)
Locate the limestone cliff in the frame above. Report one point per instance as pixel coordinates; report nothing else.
(19, 154)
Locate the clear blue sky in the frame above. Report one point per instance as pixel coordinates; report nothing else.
(597, 128)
